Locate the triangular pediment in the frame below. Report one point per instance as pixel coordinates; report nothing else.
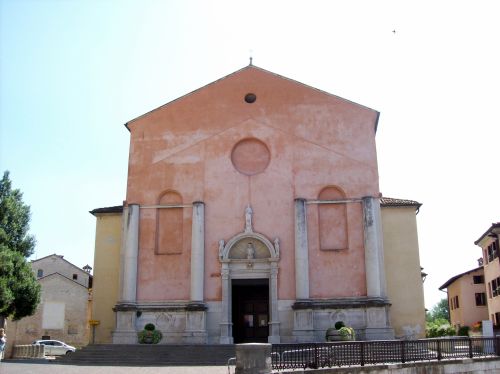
(223, 93)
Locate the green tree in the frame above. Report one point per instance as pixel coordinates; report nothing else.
(19, 289)
(14, 219)
(439, 311)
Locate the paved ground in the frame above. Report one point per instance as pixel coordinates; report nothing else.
(19, 367)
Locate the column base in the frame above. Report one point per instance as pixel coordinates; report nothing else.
(274, 339)
(125, 332)
(226, 340)
(303, 326)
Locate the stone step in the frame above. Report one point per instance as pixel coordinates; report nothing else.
(150, 355)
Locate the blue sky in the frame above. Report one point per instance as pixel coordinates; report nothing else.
(73, 72)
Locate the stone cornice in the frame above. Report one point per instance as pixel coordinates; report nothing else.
(162, 307)
(341, 303)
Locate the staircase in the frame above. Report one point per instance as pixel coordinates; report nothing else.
(150, 355)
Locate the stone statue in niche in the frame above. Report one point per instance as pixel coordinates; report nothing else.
(221, 248)
(248, 218)
(250, 251)
(277, 246)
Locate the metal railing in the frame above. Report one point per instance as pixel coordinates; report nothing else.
(361, 353)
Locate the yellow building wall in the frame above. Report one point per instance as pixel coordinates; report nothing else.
(402, 265)
(467, 313)
(106, 274)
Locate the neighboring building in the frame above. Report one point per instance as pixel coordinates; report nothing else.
(64, 309)
(490, 259)
(467, 298)
(253, 213)
(106, 271)
(402, 267)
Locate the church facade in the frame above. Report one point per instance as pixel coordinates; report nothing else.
(253, 214)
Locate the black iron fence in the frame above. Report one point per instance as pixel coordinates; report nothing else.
(360, 353)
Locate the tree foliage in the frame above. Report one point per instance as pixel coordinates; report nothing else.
(19, 289)
(439, 311)
(14, 219)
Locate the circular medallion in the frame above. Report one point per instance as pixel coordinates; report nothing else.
(250, 156)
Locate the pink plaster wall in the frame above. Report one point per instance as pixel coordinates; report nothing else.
(314, 139)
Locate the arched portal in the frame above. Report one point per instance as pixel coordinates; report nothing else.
(249, 289)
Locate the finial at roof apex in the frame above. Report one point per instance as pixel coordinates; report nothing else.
(251, 58)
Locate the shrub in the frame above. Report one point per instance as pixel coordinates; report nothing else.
(440, 327)
(149, 327)
(347, 333)
(149, 336)
(339, 325)
(463, 331)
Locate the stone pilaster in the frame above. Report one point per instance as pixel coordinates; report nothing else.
(301, 251)
(198, 251)
(129, 253)
(274, 324)
(374, 251)
(226, 333)
(125, 332)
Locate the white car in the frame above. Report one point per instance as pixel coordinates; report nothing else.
(55, 347)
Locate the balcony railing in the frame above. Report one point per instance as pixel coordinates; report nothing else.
(361, 353)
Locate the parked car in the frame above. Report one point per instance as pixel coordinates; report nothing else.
(55, 347)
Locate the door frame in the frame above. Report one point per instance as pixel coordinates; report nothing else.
(265, 267)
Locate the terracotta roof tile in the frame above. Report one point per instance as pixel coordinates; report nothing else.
(109, 209)
(389, 201)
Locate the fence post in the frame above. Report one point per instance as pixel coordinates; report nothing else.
(439, 350)
(316, 358)
(470, 348)
(403, 358)
(362, 351)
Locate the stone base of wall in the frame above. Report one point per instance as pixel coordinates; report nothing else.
(368, 316)
(299, 322)
(179, 323)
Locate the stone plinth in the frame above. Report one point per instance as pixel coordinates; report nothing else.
(253, 358)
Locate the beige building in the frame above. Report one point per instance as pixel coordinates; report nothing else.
(64, 308)
(106, 271)
(402, 267)
(467, 298)
(490, 259)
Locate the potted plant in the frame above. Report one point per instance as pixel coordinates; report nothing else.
(339, 332)
(149, 335)
(347, 333)
(476, 329)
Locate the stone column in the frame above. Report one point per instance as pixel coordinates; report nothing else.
(130, 251)
(198, 251)
(374, 250)
(301, 251)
